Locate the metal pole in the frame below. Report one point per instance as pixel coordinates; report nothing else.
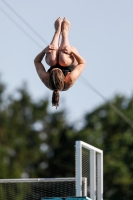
(93, 174)
(78, 169)
(100, 176)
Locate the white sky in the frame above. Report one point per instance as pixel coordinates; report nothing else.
(102, 31)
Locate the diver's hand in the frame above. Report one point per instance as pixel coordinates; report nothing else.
(50, 48)
(67, 49)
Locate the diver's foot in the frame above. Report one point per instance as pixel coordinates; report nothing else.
(65, 25)
(57, 24)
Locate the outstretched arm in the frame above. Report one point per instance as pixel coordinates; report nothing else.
(72, 77)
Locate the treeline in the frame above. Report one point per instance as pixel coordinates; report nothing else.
(36, 143)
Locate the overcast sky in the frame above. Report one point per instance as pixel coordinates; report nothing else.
(102, 31)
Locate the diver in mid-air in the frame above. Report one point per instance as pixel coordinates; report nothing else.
(66, 64)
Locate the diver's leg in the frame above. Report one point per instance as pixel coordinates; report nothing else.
(52, 56)
(65, 59)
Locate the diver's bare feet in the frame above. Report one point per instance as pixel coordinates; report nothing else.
(57, 25)
(65, 25)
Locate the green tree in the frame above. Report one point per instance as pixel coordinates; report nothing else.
(114, 136)
(37, 143)
(33, 142)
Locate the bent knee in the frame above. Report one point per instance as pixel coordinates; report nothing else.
(65, 59)
(51, 58)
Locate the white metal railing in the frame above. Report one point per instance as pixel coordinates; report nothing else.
(47, 180)
(96, 187)
(96, 167)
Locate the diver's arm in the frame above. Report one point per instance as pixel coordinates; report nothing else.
(38, 63)
(72, 77)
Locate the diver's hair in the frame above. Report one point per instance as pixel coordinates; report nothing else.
(56, 83)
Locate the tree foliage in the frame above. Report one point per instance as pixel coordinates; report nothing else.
(36, 143)
(115, 137)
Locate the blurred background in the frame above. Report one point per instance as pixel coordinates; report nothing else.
(35, 138)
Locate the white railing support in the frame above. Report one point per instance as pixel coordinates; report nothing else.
(96, 171)
(78, 169)
(93, 174)
(100, 176)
